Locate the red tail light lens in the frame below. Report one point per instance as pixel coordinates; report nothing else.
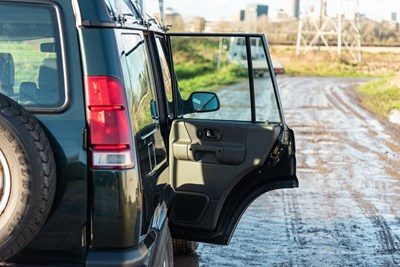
(109, 127)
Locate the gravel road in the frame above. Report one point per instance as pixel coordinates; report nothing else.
(347, 209)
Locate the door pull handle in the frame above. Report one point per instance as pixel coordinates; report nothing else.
(217, 150)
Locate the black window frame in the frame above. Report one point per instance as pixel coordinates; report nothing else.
(247, 37)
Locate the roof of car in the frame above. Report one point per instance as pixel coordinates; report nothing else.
(97, 13)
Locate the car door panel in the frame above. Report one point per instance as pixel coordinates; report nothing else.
(203, 177)
(224, 155)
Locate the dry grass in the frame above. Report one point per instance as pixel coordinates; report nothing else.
(379, 96)
(323, 63)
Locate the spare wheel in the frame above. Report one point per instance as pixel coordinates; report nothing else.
(27, 177)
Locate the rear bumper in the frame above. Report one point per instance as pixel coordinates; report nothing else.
(147, 254)
(130, 257)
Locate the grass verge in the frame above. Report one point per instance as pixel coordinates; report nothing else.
(381, 96)
(212, 80)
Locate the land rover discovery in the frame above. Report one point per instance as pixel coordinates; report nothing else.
(116, 134)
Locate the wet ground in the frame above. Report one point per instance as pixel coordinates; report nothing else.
(347, 209)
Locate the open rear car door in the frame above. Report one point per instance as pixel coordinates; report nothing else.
(229, 142)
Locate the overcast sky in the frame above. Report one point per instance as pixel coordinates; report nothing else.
(224, 9)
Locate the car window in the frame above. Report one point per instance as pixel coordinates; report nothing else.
(265, 98)
(139, 88)
(221, 65)
(165, 68)
(30, 60)
(166, 73)
(142, 104)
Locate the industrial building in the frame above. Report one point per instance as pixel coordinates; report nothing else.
(291, 8)
(253, 12)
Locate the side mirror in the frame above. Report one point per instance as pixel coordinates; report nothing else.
(204, 101)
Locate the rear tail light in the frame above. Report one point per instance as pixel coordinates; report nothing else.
(110, 136)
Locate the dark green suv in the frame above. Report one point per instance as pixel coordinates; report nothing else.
(116, 135)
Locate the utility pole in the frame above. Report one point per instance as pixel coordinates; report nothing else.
(322, 16)
(339, 39)
(162, 11)
(142, 6)
(323, 9)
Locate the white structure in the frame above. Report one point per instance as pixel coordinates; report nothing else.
(344, 30)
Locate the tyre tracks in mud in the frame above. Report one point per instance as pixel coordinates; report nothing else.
(346, 211)
(293, 218)
(393, 163)
(385, 152)
(384, 234)
(388, 241)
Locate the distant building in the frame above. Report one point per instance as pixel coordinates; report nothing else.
(394, 16)
(291, 8)
(239, 15)
(254, 11)
(242, 15)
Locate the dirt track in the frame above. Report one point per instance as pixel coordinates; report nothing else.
(347, 209)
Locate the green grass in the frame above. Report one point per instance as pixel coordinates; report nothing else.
(195, 64)
(381, 96)
(212, 80)
(192, 70)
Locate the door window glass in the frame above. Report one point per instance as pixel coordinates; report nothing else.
(221, 65)
(204, 64)
(166, 73)
(265, 99)
(165, 69)
(139, 89)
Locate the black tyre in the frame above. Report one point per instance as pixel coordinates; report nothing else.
(27, 177)
(167, 252)
(162, 253)
(184, 247)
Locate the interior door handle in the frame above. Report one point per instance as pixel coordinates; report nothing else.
(217, 150)
(210, 134)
